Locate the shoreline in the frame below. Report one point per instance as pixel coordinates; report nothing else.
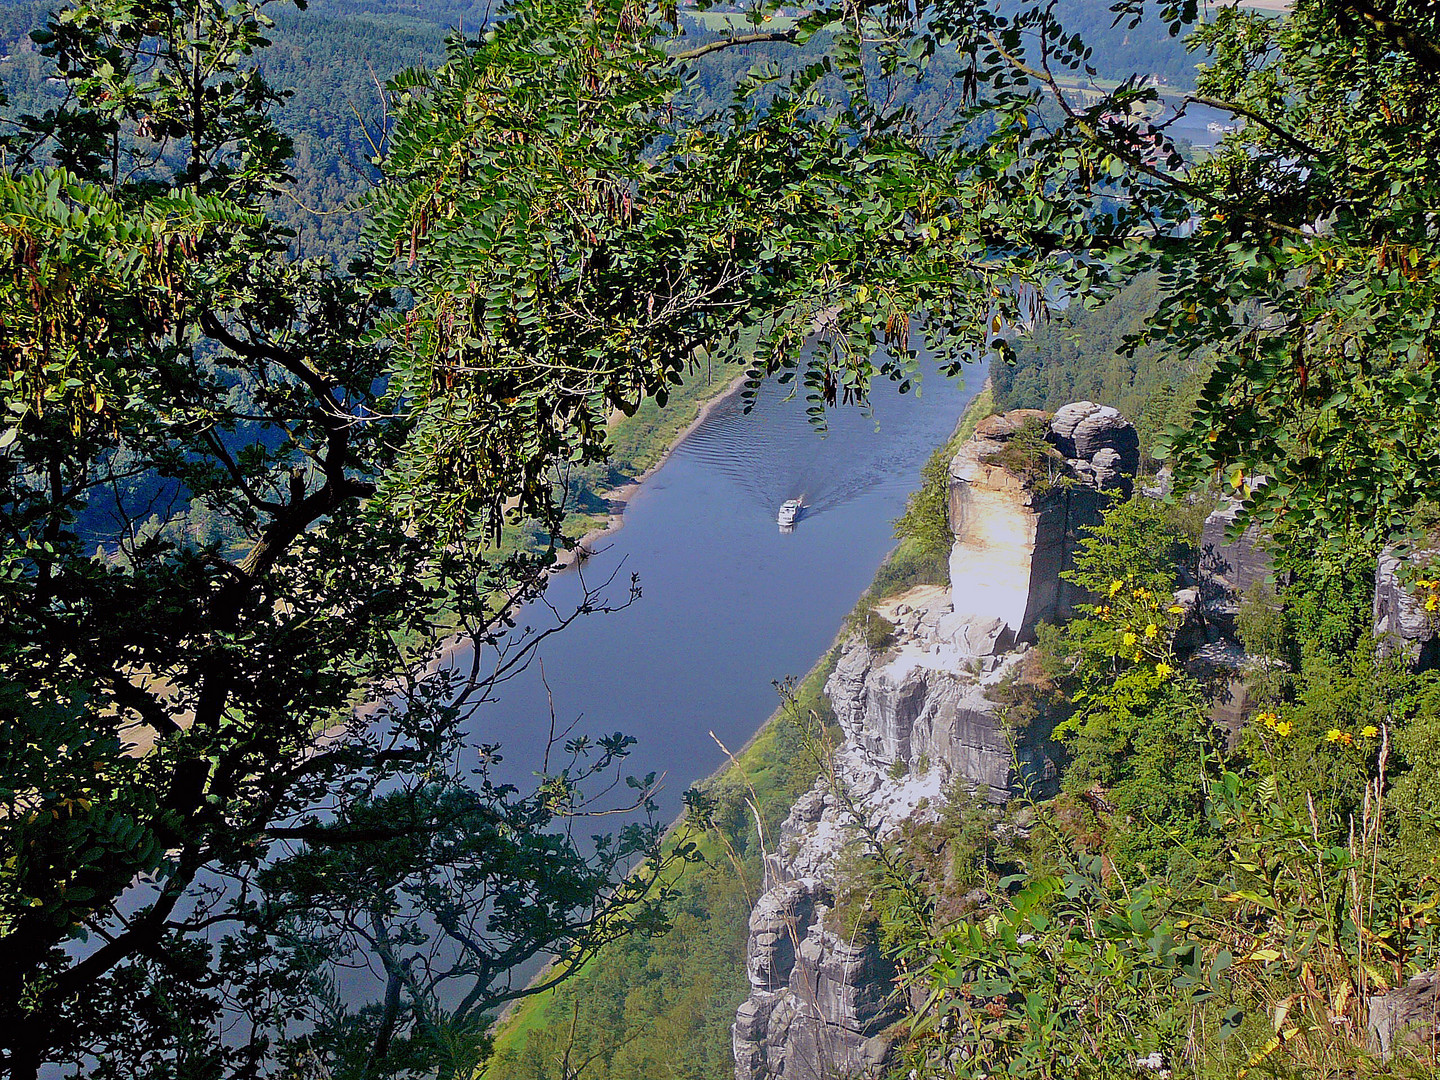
(733, 760)
(618, 498)
(966, 418)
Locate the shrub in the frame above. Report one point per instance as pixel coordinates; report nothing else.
(1029, 455)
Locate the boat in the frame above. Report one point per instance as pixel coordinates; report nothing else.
(790, 511)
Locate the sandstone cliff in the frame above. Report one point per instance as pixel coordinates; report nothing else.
(1015, 534)
(917, 718)
(1403, 626)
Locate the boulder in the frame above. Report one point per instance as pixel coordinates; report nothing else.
(1002, 425)
(974, 635)
(1083, 429)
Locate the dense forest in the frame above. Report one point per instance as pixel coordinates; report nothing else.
(322, 333)
(1081, 354)
(332, 62)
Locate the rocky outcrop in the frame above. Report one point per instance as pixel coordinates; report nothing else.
(1100, 445)
(819, 1003)
(916, 717)
(924, 700)
(1230, 567)
(822, 1018)
(1016, 530)
(1402, 625)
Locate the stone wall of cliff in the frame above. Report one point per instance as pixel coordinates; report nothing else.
(1015, 535)
(916, 717)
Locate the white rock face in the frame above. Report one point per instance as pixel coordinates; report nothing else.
(923, 699)
(1012, 539)
(819, 1005)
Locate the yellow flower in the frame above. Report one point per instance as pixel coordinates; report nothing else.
(1129, 638)
(1335, 735)
(1369, 731)
(1152, 630)
(1176, 609)
(1163, 669)
(1116, 586)
(1431, 603)
(1139, 656)
(1283, 728)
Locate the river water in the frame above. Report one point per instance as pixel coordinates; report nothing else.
(729, 603)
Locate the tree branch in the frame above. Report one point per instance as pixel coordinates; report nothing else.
(742, 39)
(1133, 160)
(1239, 110)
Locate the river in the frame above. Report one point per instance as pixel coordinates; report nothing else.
(729, 603)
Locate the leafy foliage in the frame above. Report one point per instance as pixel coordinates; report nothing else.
(207, 808)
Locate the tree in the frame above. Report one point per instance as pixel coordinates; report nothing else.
(1296, 259)
(211, 744)
(242, 496)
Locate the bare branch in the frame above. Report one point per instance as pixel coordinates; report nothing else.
(739, 39)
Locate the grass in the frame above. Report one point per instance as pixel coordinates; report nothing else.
(981, 406)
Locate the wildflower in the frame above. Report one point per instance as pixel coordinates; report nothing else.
(1116, 586)
(1335, 735)
(1139, 656)
(1283, 728)
(1129, 638)
(1431, 602)
(1151, 631)
(1163, 669)
(1176, 609)
(1369, 731)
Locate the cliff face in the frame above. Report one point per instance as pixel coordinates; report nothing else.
(1402, 625)
(818, 1002)
(1014, 536)
(918, 710)
(922, 702)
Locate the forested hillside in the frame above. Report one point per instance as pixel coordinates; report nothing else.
(1090, 354)
(333, 61)
(308, 362)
